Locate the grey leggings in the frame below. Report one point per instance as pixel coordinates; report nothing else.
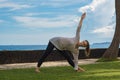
(49, 49)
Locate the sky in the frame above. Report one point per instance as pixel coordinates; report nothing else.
(34, 22)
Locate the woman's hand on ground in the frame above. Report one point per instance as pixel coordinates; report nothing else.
(80, 69)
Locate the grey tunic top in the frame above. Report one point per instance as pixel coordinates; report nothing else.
(63, 43)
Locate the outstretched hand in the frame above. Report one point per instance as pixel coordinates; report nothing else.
(83, 15)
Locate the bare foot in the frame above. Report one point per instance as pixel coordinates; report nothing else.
(80, 70)
(37, 70)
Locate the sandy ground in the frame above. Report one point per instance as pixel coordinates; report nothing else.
(45, 64)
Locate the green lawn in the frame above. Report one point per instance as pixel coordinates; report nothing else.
(99, 71)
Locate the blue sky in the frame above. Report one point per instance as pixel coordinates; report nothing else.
(34, 22)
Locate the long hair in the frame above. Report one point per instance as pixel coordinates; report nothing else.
(87, 50)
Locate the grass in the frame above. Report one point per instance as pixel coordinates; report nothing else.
(99, 71)
(107, 60)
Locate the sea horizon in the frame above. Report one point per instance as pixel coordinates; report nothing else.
(43, 47)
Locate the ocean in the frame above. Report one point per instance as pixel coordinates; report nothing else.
(22, 47)
(43, 47)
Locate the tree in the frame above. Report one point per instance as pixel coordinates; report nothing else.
(112, 52)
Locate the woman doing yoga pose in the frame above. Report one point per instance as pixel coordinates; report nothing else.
(65, 45)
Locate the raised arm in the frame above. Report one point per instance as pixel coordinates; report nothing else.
(79, 27)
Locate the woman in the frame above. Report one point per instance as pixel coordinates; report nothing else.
(63, 45)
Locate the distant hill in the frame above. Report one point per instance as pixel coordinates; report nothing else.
(100, 45)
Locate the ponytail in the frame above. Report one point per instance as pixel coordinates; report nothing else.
(87, 50)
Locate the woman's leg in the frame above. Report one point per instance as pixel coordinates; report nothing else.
(48, 50)
(67, 56)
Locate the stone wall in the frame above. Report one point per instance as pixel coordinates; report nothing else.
(7, 57)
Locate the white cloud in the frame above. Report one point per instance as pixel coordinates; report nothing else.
(92, 6)
(102, 11)
(106, 31)
(32, 14)
(13, 6)
(60, 3)
(35, 22)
